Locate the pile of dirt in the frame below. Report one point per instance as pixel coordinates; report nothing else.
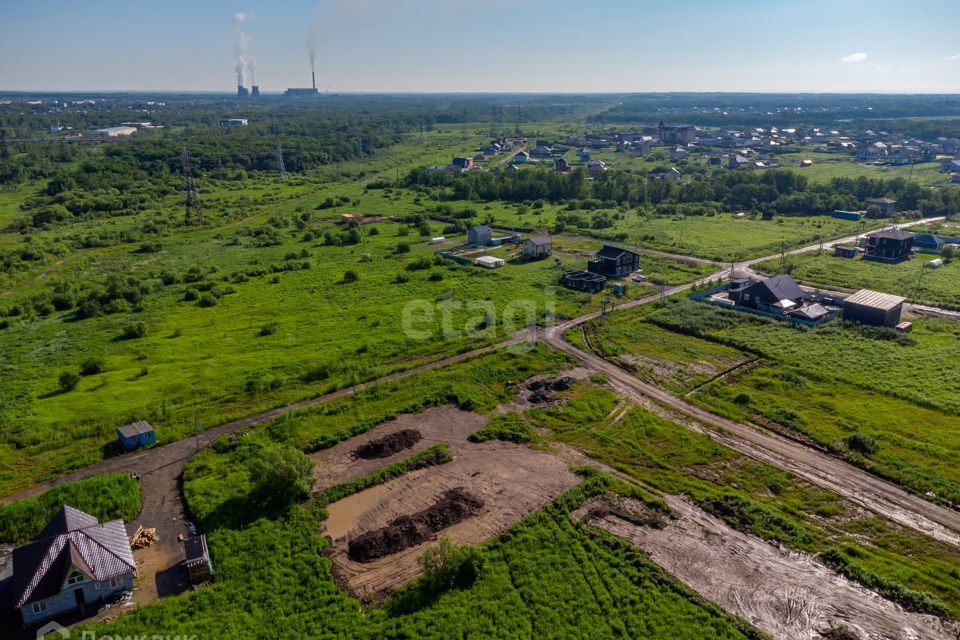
(542, 389)
(454, 505)
(388, 445)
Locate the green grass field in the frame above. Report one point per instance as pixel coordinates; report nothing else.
(805, 379)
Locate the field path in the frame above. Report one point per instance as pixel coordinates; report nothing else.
(788, 594)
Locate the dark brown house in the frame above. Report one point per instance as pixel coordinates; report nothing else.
(614, 262)
(891, 245)
(779, 293)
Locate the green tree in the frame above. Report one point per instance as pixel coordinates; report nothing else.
(282, 476)
(68, 381)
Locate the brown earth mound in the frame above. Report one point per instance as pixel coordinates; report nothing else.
(388, 445)
(404, 532)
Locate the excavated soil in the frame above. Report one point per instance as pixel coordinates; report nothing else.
(454, 505)
(388, 445)
(542, 389)
(511, 480)
(787, 594)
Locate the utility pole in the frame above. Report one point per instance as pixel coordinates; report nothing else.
(196, 430)
(916, 293)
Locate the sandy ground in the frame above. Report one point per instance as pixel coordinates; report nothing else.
(785, 593)
(512, 480)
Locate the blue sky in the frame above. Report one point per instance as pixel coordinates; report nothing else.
(485, 45)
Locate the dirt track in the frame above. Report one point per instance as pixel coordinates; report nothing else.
(511, 480)
(787, 594)
(819, 468)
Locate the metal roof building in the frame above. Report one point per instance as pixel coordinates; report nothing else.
(873, 307)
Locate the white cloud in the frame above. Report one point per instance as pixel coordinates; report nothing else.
(955, 56)
(854, 57)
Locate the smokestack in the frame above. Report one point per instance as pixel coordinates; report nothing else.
(255, 91)
(313, 79)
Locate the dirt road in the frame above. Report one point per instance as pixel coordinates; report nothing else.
(788, 594)
(819, 468)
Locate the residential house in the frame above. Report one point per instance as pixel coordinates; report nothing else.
(679, 153)
(677, 134)
(135, 435)
(521, 157)
(538, 247)
(777, 294)
(872, 152)
(463, 163)
(737, 161)
(614, 262)
(891, 245)
(596, 168)
(887, 205)
(480, 236)
(541, 151)
(583, 155)
(953, 166)
(76, 563)
(560, 164)
(928, 243)
(489, 262)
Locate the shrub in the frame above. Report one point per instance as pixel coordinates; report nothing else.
(350, 276)
(435, 277)
(91, 367)
(743, 399)
(862, 443)
(283, 476)
(401, 278)
(191, 294)
(134, 330)
(269, 329)
(68, 381)
(403, 247)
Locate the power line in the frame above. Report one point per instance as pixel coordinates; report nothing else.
(193, 213)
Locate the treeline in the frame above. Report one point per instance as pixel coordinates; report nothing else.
(773, 191)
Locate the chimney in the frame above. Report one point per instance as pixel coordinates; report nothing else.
(313, 79)
(255, 91)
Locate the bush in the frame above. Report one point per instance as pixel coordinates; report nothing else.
(208, 300)
(68, 381)
(283, 476)
(862, 443)
(134, 330)
(269, 329)
(191, 294)
(401, 278)
(91, 367)
(403, 247)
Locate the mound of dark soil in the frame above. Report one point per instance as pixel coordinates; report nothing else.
(542, 389)
(388, 445)
(404, 532)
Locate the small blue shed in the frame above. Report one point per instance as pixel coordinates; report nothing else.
(135, 435)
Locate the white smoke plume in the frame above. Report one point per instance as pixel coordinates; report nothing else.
(246, 64)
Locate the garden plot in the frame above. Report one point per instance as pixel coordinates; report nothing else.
(787, 594)
(504, 483)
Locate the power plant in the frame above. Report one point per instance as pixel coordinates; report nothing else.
(242, 91)
(295, 92)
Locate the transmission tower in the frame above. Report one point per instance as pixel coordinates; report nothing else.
(281, 169)
(193, 213)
